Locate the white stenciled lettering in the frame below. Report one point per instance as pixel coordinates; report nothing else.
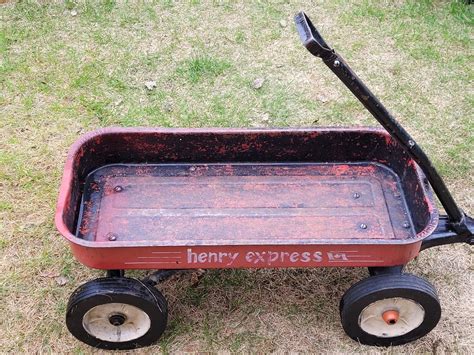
(267, 257)
(294, 257)
(337, 257)
(284, 254)
(305, 257)
(192, 257)
(202, 258)
(211, 257)
(259, 257)
(232, 257)
(222, 256)
(272, 257)
(318, 256)
(249, 256)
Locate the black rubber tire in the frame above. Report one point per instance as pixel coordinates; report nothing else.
(381, 287)
(117, 290)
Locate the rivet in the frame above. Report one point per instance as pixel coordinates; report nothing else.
(336, 63)
(118, 188)
(112, 237)
(363, 226)
(356, 195)
(411, 143)
(406, 225)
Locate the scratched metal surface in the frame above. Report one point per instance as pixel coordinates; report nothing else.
(226, 204)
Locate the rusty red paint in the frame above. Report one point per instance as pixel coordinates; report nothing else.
(204, 148)
(243, 204)
(244, 256)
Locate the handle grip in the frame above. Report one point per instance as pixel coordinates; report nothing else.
(311, 38)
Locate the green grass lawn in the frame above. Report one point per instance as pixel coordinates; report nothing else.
(74, 66)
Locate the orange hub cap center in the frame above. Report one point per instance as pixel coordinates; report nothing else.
(390, 317)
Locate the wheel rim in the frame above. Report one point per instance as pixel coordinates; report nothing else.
(391, 317)
(116, 322)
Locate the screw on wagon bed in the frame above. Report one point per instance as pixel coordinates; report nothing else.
(111, 236)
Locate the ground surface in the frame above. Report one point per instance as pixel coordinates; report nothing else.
(69, 67)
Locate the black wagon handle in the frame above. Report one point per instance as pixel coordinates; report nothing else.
(310, 37)
(316, 45)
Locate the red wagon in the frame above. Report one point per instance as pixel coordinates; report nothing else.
(173, 199)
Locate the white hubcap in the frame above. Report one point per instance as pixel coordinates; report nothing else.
(410, 316)
(116, 322)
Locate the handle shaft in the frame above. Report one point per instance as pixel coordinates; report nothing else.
(313, 41)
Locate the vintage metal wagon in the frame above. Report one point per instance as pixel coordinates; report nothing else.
(173, 199)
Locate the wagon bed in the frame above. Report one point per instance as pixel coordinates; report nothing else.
(133, 197)
(228, 204)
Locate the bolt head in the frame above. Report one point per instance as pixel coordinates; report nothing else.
(336, 63)
(117, 319)
(406, 225)
(118, 188)
(356, 195)
(112, 237)
(363, 226)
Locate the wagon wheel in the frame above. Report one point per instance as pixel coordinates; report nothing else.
(389, 309)
(117, 313)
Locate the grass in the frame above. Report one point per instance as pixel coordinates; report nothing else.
(70, 67)
(202, 67)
